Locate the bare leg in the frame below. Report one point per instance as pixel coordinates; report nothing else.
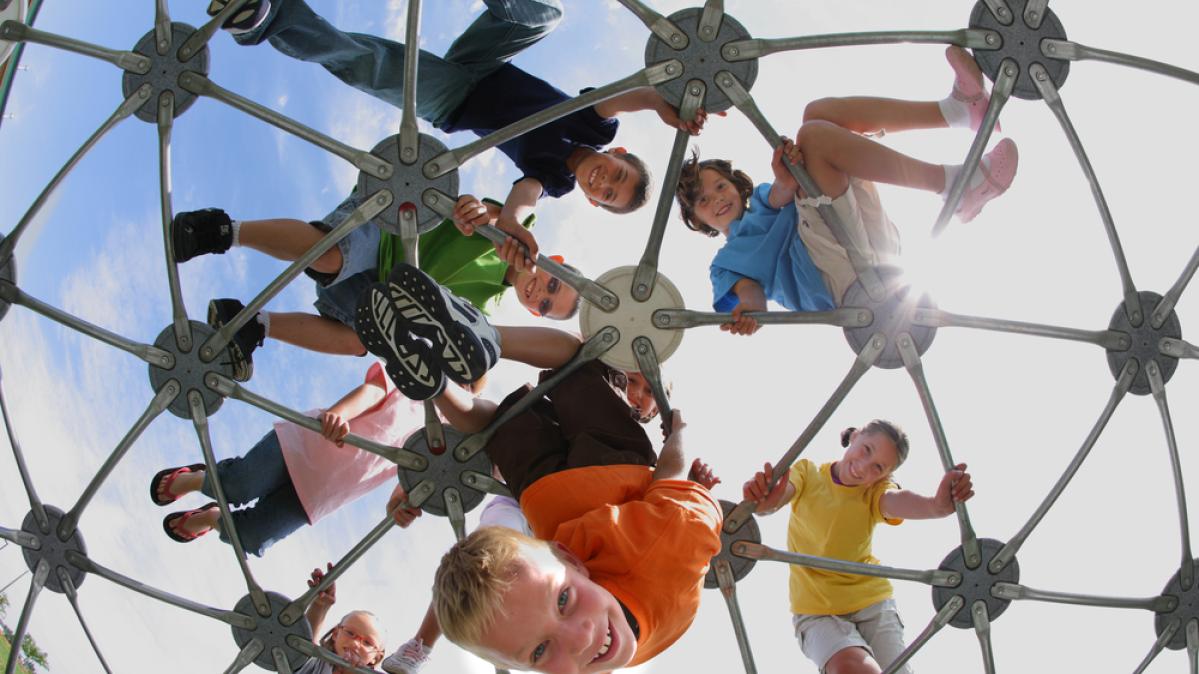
(539, 347)
(832, 154)
(287, 239)
(430, 630)
(852, 660)
(315, 333)
(870, 115)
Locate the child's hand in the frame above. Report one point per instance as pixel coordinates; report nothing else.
(955, 487)
(469, 213)
(782, 176)
(326, 597)
(702, 473)
(741, 324)
(512, 250)
(334, 427)
(398, 508)
(670, 116)
(758, 489)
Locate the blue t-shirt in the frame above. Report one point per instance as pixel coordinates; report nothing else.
(510, 94)
(764, 246)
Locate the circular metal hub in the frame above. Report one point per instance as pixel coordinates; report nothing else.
(189, 371)
(54, 550)
(8, 274)
(1184, 612)
(892, 316)
(701, 60)
(632, 318)
(445, 471)
(13, 10)
(164, 72)
(408, 183)
(748, 533)
(1021, 43)
(976, 583)
(271, 633)
(1145, 341)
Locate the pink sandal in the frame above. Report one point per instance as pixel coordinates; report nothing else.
(998, 171)
(968, 85)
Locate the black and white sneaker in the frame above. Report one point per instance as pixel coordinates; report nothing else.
(195, 233)
(408, 360)
(465, 345)
(245, 340)
(247, 18)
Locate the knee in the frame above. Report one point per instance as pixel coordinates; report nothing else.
(814, 136)
(550, 13)
(852, 660)
(329, 262)
(821, 108)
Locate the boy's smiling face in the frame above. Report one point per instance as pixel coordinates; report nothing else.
(607, 179)
(557, 620)
(718, 202)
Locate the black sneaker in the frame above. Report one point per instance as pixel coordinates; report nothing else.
(408, 360)
(247, 18)
(467, 345)
(249, 337)
(199, 232)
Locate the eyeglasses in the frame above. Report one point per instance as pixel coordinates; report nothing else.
(364, 641)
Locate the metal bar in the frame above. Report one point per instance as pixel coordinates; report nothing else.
(453, 507)
(935, 577)
(35, 587)
(1015, 591)
(845, 317)
(162, 26)
(1049, 92)
(409, 136)
(434, 431)
(647, 270)
(165, 396)
(596, 346)
(1178, 348)
(199, 39)
(367, 210)
(732, 87)
(166, 120)
(1073, 51)
(911, 361)
(397, 455)
(1034, 13)
(1193, 645)
(21, 538)
(1162, 639)
(982, 627)
(485, 483)
(410, 238)
(728, 588)
(280, 658)
(150, 354)
(35, 504)
(361, 159)
(295, 610)
(421, 493)
(1158, 387)
(647, 363)
(947, 612)
(659, 25)
(709, 23)
(313, 651)
(1001, 11)
(246, 656)
(15, 31)
(1110, 340)
(1166, 305)
(228, 617)
(866, 357)
(1009, 550)
(648, 77)
(1004, 83)
(124, 110)
(68, 586)
(970, 38)
(200, 421)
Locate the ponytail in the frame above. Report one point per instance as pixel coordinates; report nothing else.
(891, 430)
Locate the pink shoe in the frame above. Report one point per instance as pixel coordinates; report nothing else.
(968, 85)
(998, 168)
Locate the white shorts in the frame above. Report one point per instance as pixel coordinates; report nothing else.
(876, 628)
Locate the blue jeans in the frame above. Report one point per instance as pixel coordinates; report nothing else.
(260, 474)
(375, 65)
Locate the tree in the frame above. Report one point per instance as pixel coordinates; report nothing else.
(33, 654)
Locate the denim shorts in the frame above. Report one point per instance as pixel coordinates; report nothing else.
(337, 294)
(338, 301)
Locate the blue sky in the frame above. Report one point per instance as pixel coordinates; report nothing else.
(1015, 408)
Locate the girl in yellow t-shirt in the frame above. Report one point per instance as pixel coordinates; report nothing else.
(846, 623)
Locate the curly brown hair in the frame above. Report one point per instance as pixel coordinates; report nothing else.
(689, 186)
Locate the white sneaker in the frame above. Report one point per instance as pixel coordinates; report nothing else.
(408, 659)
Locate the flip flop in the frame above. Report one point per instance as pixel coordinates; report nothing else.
(165, 478)
(173, 523)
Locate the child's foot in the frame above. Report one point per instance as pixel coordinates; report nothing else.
(465, 344)
(967, 103)
(245, 19)
(245, 340)
(161, 485)
(408, 659)
(196, 233)
(409, 360)
(993, 178)
(188, 525)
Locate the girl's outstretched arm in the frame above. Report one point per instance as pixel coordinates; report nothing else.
(768, 500)
(464, 411)
(903, 504)
(545, 348)
(672, 461)
(319, 608)
(335, 421)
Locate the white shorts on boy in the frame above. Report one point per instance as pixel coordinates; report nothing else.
(876, 628)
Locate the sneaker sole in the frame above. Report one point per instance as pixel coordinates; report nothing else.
(245, 14)
(408, 364)
(421, 304)
(243, 367)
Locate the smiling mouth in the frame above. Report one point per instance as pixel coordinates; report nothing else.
(591, 178)
(606, 647)
(723, 209)
(529, 288)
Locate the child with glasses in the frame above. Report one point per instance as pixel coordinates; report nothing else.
(357, 638)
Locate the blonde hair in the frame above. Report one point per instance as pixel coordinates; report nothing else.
(326, 641)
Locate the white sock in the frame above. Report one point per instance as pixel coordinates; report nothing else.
(236, 226)
(951, 174)
(955, 112)
(264, 318)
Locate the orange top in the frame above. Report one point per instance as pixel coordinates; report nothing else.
(648, 543)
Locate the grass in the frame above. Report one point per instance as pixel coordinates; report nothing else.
(4, 650)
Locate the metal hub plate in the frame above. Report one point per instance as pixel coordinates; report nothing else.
(54, 550)
(1144, 343)
(976, 583)
(741, 566)
(632, 318)
(701, 60)
(408, 183)
(8, 274)
(164, 73)
(445, 471)
(1186, 611)
(189, 371)
(271, 632)
(13, 10)
(1022, 44)
(892, 316)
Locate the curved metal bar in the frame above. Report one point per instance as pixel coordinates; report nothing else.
(728, 589)
(1166, 305)
(15, 31)
(166, 120)
(1193, 646)
(295, 610)
(709, 23)
(845, 317)
(313, 651)
(982, 627)
(1162, 639)
(1034, 13)
(1049, 93)
(1001, 11)
(8, 70)
(866, 357)
(1073, 51)
(1187, 577)
(453, 507)
(935, 577)
(246, 656)
(647, 363)
(35, 504)
(1008, 552)
(21, 538)
(939, 621)
(1179, 348)
(199, 39)
(659, 25)
(485, 483)
(68, 586)
(35, 587)
(970, 38)
(409, 135)
(937, 318)
(162, 26)
(1000, 93)
(1015, 591)
(280, 658)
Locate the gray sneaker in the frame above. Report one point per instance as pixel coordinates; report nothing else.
(408, 659)
(249, 17)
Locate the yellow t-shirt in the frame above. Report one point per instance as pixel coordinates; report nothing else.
(835, 521)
